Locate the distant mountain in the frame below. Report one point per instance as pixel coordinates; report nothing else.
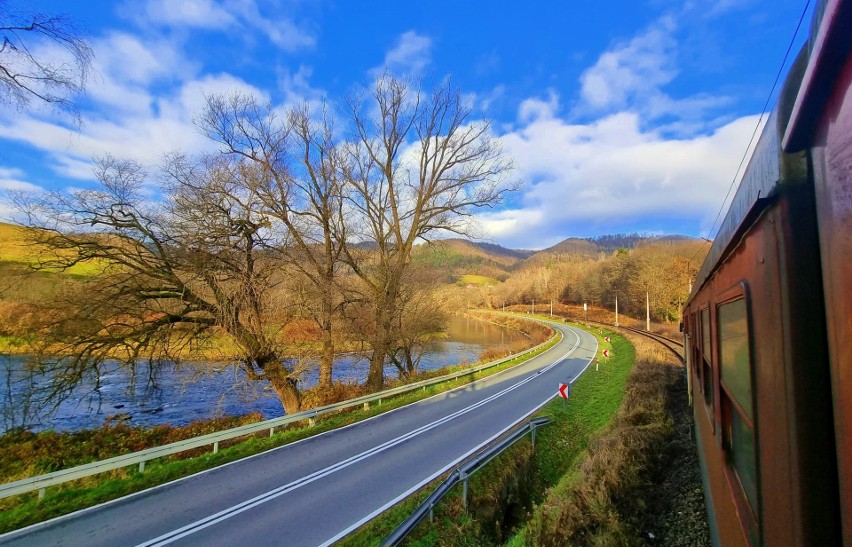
(456, 258)
(499, 250)
(591, 246)
(574, 245)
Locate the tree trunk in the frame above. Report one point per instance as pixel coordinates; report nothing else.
(381, 344)
(285, 387)
(376, 376)
(326, 360)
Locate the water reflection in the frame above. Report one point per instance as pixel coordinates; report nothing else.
(180, 394)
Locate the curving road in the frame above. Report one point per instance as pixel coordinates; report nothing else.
(316, 491)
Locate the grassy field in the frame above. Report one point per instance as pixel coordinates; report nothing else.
(503, 493)
(478, 280)
(18, 250)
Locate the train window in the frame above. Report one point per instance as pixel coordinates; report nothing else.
(706, 359)
(696, 346)
(735, 370)
(738, 435)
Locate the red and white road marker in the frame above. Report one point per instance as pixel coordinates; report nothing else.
(606, 353)
(564, 390)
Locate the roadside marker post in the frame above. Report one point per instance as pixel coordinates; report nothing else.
(564, 392)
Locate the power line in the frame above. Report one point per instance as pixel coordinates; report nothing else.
(757, 126)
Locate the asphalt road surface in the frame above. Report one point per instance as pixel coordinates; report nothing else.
(316, 491)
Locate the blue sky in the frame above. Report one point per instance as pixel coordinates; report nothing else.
(621, 116)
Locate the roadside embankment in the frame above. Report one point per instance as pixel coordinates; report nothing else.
(616, 467)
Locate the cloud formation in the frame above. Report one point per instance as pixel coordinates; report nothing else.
(609, 175)
(411, 54)
(628, 156)
(238, 17)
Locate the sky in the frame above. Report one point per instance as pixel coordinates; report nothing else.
(620, 117)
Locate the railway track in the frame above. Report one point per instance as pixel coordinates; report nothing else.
(674, 346)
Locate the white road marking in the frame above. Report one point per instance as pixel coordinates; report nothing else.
(225, 514)
(354, 526)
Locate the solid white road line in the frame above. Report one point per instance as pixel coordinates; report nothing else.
(354, 526)
(281, 490)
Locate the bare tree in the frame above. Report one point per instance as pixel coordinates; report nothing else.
(51, 74)
(418, 165)
(418, 321)
(301, 189)
(174, 274)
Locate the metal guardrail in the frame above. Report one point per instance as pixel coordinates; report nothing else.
(461, 474)
(139, 458)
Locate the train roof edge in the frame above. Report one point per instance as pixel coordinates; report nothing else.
(828, 47)
(777, 159)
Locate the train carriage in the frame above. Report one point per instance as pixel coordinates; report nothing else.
(768, 325)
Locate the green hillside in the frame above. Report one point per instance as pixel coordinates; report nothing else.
(18, 252)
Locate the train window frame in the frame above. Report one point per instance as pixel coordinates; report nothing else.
(705, 363)
(696, 348)
(747, 508)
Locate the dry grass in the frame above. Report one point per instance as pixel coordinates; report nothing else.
(604, 502)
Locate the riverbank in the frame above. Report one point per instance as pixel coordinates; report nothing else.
(182, 393)
(26, 509)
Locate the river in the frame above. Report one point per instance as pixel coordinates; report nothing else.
(180, 394)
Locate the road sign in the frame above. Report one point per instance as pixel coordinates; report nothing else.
(607, 340)
(564, 390)
(606, 353)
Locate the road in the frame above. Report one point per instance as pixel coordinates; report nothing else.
(316, 491)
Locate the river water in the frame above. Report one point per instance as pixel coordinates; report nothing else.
(180, 394)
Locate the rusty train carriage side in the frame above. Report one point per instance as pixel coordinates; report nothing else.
(771, 376)
(822, 122)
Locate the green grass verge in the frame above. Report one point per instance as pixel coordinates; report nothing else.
(26, 509)
(502, 491)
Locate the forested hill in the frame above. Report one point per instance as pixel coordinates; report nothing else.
(610, 242)
(457, 258)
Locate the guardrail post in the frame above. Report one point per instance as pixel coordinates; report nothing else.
(532, 435)
(463, 477)
(271, 431)
(366, 406)
(41, 492)
(216, 447)
(431, 512)
(142, 467)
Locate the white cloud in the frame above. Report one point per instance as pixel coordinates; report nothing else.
(536, 109)
(631, 70)
(239, 17)
(609, 174)
(11, 180)
(125, 85)
(411, 54)
(632, 76)
(140, 135)
(189, 13)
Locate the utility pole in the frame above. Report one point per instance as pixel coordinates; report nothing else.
(551, 308)
(533, 308)
(647, 313)
(616, 308)
(504, 305)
